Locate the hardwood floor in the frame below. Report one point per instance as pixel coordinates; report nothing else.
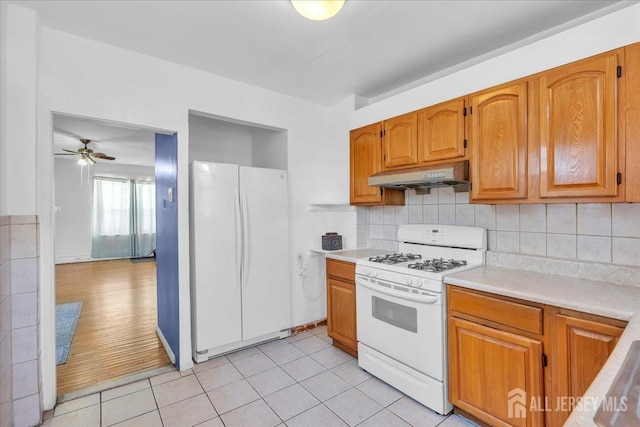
(116, 333)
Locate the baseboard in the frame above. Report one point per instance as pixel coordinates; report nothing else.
(307, 326)
(166, 346)
(72, 259)
(75, 259)
(203, 356)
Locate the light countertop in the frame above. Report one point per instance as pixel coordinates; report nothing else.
(596, 297)
(352, 255)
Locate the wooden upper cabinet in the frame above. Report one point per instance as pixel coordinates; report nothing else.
(632, 122)
(498, 137)
(400, 141)
(366, 160)
(578, 129)
(441, 131)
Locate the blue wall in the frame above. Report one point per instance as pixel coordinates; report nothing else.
(167, 240)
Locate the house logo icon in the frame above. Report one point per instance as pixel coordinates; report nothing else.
(517, 403)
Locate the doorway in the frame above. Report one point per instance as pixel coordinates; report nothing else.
(107, 261)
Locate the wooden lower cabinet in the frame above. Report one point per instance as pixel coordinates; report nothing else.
(509, 358)
(341, 305)
(583, 348)
(496, 374)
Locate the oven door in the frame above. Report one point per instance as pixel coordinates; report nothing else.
(403, 323)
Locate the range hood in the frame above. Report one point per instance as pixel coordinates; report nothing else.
(422, 180)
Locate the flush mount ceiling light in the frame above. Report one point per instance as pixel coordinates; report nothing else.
(318, 10)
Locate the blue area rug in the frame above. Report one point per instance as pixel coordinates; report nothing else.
(66, 321)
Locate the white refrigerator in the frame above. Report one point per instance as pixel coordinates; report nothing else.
(239, 257)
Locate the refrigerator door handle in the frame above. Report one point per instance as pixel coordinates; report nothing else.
(236, 206)
(245, 240)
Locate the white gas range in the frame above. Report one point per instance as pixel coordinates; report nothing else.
(401, 308)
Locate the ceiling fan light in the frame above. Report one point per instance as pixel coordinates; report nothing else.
(82, 161)
(318, 10)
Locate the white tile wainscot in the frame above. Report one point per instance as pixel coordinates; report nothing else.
(615, 294)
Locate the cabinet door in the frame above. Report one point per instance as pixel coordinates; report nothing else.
(401, 141)
(499, 143)
(441, 131)
(341, 312)
(578, 129)
(365, 161)
(583, 348)
(495, 375)
(632, 125)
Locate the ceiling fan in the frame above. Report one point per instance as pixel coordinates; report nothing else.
(87, 156)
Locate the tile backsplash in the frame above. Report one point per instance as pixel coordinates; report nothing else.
(603, 232)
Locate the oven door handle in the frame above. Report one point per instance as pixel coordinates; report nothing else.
(406, 296)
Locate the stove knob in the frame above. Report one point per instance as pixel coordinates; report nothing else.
(408, 280)
(374, 273)
(366, 271)
(419, 284)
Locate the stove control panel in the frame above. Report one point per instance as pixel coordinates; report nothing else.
(453, 236)
(369, 272)
(435, 232)
(407, 280)
(390, 277)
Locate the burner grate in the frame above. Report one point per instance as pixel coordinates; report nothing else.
(436, 265)
(395, 258)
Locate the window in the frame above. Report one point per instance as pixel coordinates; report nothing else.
(124, 222)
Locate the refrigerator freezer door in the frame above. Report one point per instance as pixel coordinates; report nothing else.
(265, 296)
(215, 224)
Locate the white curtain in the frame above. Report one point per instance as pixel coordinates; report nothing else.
(143, 217)
(123, 218)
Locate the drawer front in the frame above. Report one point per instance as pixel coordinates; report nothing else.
(344, 270)
(507, 313)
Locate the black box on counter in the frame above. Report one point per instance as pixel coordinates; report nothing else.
(331, 242)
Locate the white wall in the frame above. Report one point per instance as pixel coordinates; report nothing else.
(4, 12)
(269, 148)
(213, 140)
(86, 78)
(18, 77)
(74, 202)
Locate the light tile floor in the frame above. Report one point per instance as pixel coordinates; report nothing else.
(298, 381)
